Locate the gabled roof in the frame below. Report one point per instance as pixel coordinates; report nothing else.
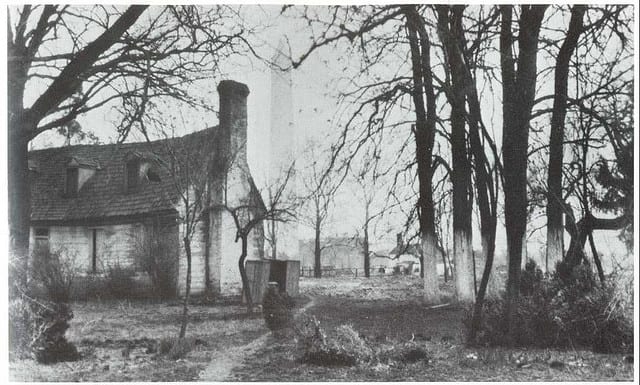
(103, 195)
(413, 249)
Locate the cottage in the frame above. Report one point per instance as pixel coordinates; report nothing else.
(98, 203)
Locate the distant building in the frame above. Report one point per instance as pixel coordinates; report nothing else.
(337, 253)
(405, 258)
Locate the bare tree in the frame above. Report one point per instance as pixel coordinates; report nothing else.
(464, 58)
(377, 200)
(424, 131)
(278, 195)
(381, 33)
(555, 203)
(450, 29)
(605, 185)
(249, 214)
(518, 94)
(320, 188)
(195, 170)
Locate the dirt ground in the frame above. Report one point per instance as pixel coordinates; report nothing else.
(389, 310)
(116, 340)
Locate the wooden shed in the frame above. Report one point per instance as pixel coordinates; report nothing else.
(258, 274)
(287, 275)
(261, 272)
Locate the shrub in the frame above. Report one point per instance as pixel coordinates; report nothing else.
(531, 279)
(90, 287)
(156, 254)
(343, 347)
(405, 352)
(564, 310)
(277, 309)
(37, 328)
(119, 281)
(591, 314)
(175, 348)
(55, 272)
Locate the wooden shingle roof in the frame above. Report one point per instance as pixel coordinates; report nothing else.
(104, 194)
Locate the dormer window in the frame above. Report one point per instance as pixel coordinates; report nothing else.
(79, 171)
(150, 172)
(139, 169)
(71, 185)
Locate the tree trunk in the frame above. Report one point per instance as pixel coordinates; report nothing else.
(431, 287)
(424, 133)
(445, 267)
(555, 202)
(207, 256)
(518, 93)
(23, 123)
(579, 234)
(461, 164)
(246, 289)
(596, 257)
(19, 198)
(488, 247)
(317, 253)
(367, 265)
(485, 187)
(274, 240)
(187, 289)
(487, 204)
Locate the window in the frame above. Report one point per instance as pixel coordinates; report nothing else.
(41, 239)
(72, 182)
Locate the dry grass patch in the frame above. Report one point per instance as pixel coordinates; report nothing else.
(119, 341)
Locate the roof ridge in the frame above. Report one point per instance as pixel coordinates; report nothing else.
(116, 145)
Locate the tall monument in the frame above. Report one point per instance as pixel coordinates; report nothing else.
(282, 238)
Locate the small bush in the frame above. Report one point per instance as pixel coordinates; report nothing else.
(176, 348)
(55, 272)
(119, 282)
(90, 287)
(343, 347)
(156, 254)
(277, 309)
(531, 279)
(564, 310)
(37, 329)
(401, 352)
(413, 354)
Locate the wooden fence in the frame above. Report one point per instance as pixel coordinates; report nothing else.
(328, 271)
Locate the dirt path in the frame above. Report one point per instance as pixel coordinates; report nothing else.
(224, 361)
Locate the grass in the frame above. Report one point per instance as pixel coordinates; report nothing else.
(387, 316)
(118, 341)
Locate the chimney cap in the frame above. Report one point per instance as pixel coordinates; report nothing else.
(227, 87)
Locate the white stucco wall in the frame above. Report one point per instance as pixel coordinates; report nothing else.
(198, 254)
(114, 244)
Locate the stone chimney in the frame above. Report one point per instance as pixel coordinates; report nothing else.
(233, 120)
